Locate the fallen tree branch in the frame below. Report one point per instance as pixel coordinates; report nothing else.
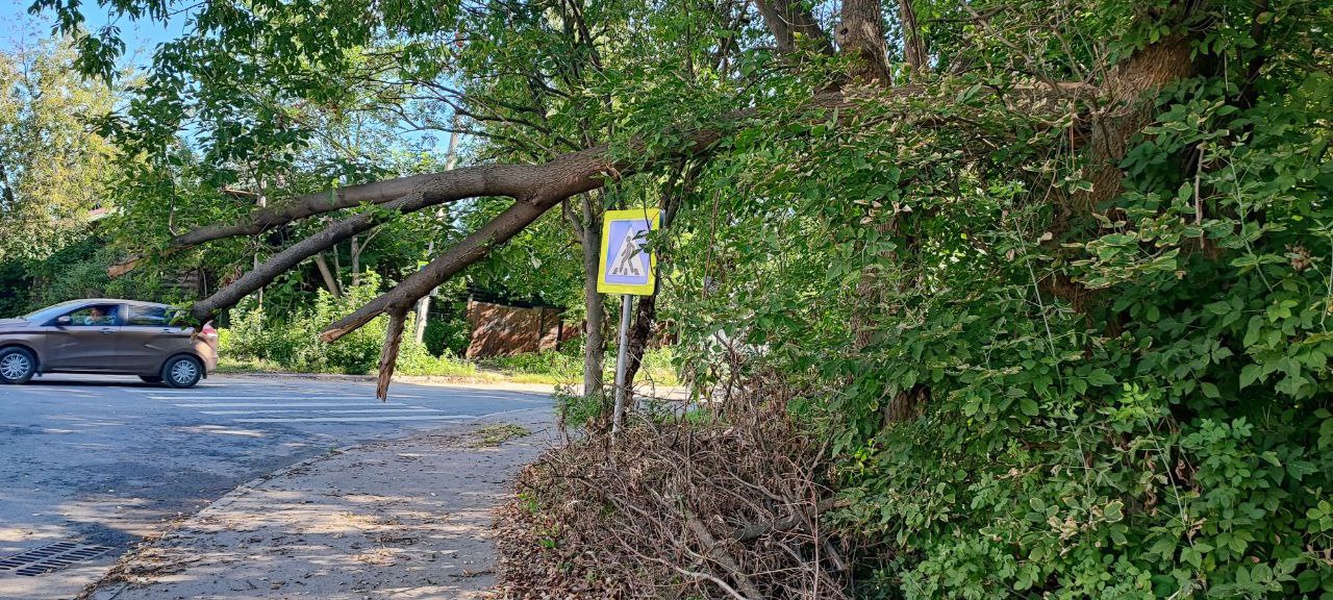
(468, 182)
(719, 555)
(389, 355)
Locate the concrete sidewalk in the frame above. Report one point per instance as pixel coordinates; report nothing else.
(406, 518)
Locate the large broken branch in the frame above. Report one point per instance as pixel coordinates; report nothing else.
(389, 354)
(566, 175)
(499, 180)
(473, 248)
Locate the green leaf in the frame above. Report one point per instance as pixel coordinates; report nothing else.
(1249, 374)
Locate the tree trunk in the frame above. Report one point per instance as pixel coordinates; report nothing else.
(594, 347)
(330, 281)
(423, 306)
(861, 36)
(356, 263)
(640, 334)
(793, 26)
(914, 48)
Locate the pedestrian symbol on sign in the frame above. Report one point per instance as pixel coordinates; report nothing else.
(629, 262)
(626, 265)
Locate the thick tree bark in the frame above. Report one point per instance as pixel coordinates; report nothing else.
(861, 36)
(594, 346)
(914, 47)
(793, 26)
(1127, 108)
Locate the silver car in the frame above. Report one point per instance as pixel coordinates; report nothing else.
(101, 335)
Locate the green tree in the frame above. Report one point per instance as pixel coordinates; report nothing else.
(54, 169)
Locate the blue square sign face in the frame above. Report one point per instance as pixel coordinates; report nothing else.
(626, 268)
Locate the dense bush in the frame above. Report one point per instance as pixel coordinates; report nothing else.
(448, 335)
(292, 341)
(1131, 402)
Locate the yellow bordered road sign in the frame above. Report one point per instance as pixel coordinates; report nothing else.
(625, 268)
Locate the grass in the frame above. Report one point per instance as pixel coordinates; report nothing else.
(494, 435)
(558, 368)
(227, 364)
(547, 368)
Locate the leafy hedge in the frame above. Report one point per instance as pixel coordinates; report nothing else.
(292, 342)
(1134, 405)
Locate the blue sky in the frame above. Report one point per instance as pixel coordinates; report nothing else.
(18, 29)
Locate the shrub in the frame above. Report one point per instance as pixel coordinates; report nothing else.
(294, 343)
(414, 359)
(552, 364)
(449, 335)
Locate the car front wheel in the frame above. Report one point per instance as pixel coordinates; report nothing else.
(182, 371)
(17, 365)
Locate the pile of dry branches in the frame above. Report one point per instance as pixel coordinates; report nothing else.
(717, 504)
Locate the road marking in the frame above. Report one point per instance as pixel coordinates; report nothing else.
(367, 419)
(268, 402)
(283, 404)
(401, 409)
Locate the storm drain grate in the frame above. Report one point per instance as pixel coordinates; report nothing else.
(57, 556)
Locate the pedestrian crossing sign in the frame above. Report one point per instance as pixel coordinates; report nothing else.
(626, 268)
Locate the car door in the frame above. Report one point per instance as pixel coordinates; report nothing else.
(148, 338)
(86, 339)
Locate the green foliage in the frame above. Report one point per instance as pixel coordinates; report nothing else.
(414, 359)
(561, 366)
(293, 343)
(53, 170)
(1165, 434)
(447, 335)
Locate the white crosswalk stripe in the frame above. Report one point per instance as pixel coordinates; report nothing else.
(306, 408)
(367, 419)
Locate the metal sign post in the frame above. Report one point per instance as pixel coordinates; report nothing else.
(625, 268)
(622, 362)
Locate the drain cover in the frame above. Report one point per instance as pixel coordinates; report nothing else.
(40, 561)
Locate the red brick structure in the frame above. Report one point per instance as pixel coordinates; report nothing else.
(499, 330)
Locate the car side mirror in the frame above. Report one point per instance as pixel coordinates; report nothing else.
(63, 320)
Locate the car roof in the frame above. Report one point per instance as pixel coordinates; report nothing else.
(120, 301)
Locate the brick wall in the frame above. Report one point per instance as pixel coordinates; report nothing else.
(499, 330)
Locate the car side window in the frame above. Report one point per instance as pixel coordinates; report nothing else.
(148, 316)
(97, 315)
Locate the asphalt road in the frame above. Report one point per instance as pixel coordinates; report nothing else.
(89, 465)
